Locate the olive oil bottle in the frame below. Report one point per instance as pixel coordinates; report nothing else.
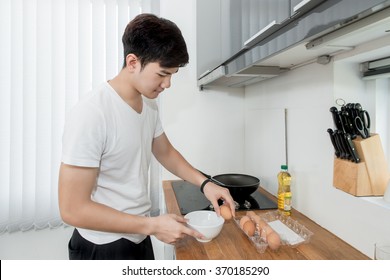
(284, 191)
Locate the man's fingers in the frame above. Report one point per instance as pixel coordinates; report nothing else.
(194, 233)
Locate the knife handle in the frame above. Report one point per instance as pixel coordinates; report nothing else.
(339, 144)
(345, 145)
(336, 149)
(351, 147)
(336, 118)
(348, 124)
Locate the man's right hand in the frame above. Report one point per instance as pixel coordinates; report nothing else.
(170, 228)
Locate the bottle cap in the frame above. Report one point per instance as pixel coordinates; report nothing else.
(284, 167)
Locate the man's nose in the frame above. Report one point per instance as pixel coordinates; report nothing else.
(166, 82)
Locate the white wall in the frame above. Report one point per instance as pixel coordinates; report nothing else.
(308, 93)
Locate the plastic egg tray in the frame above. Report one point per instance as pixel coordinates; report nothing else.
(291, 232)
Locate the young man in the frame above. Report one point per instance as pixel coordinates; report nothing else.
(107, 144)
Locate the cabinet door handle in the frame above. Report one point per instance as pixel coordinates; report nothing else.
(306, 5)
(204, 74)
(262, 34)
(300, 5)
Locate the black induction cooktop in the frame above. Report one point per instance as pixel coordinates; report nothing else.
(189, 198)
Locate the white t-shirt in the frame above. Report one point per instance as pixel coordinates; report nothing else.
(103, 131)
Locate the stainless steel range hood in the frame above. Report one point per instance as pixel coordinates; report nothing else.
(276, 53)
(250, 75)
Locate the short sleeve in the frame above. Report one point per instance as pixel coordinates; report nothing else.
(159, 129)
(84, 136)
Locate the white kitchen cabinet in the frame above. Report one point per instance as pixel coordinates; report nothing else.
(218, 32)
(208, 35)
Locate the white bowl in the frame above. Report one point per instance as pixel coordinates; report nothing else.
(205, 222)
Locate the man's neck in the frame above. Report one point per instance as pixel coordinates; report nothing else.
(124, 89)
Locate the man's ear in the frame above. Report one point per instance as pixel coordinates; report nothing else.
(131, 61)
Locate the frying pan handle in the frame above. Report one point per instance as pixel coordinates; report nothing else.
(213, 180)
(204, 174)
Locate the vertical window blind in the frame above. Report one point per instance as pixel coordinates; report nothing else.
(51, 53)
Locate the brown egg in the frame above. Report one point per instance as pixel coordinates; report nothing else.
(273, 240)
(226, 212)
(243, 220)
(249, 228)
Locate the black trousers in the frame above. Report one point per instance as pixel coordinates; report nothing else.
(122, 249)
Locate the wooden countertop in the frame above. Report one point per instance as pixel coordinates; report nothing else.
(232, 243)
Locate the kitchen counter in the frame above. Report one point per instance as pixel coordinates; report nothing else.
(232, 243)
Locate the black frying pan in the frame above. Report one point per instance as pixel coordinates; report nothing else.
(240, 186)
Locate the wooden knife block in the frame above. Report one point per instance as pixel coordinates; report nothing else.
(370, 176)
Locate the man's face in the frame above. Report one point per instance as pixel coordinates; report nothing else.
(153, 79)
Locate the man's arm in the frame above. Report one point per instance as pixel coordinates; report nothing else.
(77, 209)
